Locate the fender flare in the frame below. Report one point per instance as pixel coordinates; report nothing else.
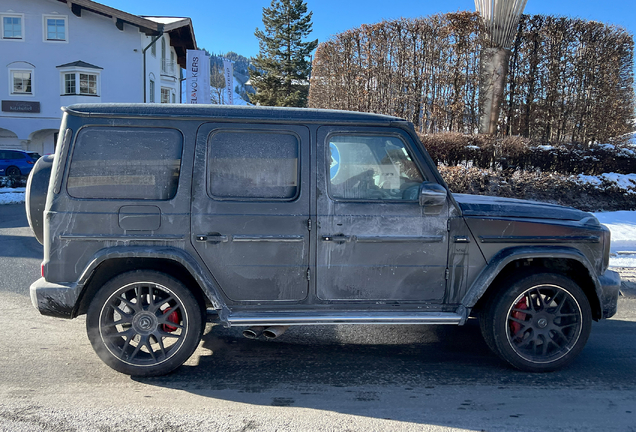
(180, 256)
(508, 255)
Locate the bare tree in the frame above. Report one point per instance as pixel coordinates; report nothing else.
(569, 80)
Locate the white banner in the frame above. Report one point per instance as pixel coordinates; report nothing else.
(228, 71)
(197, 77)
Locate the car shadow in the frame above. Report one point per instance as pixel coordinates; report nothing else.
(360, 363)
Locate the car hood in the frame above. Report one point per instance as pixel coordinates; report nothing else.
(480, 205)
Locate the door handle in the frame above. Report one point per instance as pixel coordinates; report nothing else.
(212, 238)
(336, 238)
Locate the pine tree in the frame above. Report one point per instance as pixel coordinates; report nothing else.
(282, 70)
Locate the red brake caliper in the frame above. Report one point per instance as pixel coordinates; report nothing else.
(173, 317)
(515, 326)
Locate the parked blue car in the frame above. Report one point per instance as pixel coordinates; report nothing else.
(17, 162)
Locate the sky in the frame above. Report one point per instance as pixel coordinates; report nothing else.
(221, 26)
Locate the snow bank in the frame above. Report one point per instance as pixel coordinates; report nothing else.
(622, 224)
(623, 181)
(12, 195)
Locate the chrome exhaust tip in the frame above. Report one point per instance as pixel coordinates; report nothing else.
(274, 331)
(253, 332)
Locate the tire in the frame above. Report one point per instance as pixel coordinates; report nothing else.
(144, 323)
(539, 323)
(13, 171)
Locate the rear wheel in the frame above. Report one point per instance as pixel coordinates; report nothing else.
(144, 323)
(13, 171)
(539, 324)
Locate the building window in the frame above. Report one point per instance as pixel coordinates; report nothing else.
(153, 48)
(69, 84)
(55, 28)
(174, 98)
(165, 95)
(152, 91)
(21, 82)
(12, 27)
(86, 83)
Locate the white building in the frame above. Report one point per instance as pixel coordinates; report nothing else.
(56, 53)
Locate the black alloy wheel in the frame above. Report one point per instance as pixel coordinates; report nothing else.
(13, 171)
(541, 323)
(144, 323)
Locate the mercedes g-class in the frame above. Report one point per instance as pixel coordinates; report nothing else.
(156, 218)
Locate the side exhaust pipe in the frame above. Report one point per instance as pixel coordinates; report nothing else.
(274, 331)
(253, 332)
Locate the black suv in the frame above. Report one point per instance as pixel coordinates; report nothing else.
(157, 218)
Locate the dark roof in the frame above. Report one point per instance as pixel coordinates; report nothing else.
(180, 29)
(79, 63)
(229, 112)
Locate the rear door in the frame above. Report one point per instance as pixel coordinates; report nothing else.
(375, 242)
(250, 209)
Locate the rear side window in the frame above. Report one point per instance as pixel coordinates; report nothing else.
(253, 165)
(15, 155)
(125, 163)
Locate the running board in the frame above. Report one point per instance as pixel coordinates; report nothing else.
(318, 318)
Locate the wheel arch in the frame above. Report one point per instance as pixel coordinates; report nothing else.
(569, 262)
(112, 262)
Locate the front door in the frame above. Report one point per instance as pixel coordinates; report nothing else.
(250, 209)
(375, 242)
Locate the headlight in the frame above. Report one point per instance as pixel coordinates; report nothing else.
(607, 237)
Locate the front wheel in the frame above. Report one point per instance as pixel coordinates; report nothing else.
(144, 323)
(539, 324)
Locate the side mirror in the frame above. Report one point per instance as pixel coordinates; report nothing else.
(432, 195)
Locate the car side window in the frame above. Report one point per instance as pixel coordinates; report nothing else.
(253, 165)
(371, 167)
(125, 163)
(15, 155)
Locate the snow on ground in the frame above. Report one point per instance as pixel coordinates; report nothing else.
(11, 196)
(623, 181)
(236, 98)
(622, 224)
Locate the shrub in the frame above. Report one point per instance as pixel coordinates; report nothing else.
(484, 151)
(546, 187)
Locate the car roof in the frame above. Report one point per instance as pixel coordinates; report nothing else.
(228, 112)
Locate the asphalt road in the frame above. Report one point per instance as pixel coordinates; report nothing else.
(340, 378)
